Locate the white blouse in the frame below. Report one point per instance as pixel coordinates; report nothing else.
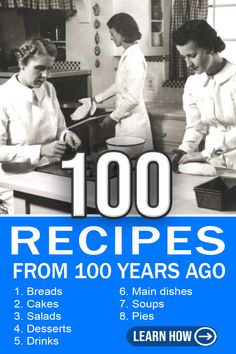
(210, 107)
(130, 111)
(26, 125)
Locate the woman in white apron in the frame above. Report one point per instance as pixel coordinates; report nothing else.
(209, 98)
(130, 115)
(32, 126)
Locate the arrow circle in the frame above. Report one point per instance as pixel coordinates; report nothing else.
(205, 336)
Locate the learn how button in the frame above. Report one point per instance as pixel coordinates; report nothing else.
(171, 336)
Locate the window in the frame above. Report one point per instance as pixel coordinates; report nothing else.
(221, 16)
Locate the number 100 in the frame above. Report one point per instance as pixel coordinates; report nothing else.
(150, 180)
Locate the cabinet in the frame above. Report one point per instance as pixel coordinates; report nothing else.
(157, 23)
(159, 26)
(153, 18)
(47, 24)
(167, 132)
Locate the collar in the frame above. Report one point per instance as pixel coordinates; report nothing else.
(222, 76)
(26, 93)
(130, 49)
(40, 92)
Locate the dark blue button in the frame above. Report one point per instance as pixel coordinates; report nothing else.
(171, 336)
(205, 336)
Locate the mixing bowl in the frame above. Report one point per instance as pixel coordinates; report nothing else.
(130, 145)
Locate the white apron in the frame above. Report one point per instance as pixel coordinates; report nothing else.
(210, 106)
(25, 126)
(130, 110)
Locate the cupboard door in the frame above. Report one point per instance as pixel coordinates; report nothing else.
(47, 24)
(167, 133)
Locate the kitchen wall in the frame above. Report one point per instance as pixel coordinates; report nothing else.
(158, 72)
(154, 90)
(80, 42)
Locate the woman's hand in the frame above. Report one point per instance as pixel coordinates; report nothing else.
(72, 140)
(175, 160)
(54, 149)
(193, 157)
(108, 122)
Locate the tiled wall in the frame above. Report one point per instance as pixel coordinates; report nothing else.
(154, 90)
(65, 66)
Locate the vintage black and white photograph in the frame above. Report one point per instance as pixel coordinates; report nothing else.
(86, 76)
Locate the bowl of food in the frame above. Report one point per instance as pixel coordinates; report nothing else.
(130, 145)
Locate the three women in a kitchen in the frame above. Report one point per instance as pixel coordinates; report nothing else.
(209, 98)
(130, 116)
(32, 126)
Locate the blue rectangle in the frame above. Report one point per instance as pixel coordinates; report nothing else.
(79, 286)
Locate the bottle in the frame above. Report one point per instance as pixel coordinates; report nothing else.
(57, 33)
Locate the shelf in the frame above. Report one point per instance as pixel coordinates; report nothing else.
(159, 25)
(59, 42)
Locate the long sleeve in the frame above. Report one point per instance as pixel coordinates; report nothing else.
(109, 92)
(132, 74)
(15, 153)
(24, 126)
(129, 83)
(61, 125)
(227, 140)
(195, 129)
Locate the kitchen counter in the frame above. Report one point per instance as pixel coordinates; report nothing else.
(43, 193)
(168, 124)
(55, 74)
(168, 110)
(155, 110)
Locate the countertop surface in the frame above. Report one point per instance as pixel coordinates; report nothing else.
(159, 110)
(170, 110)
(7, 74)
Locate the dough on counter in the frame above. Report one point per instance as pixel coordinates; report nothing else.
(197, 168)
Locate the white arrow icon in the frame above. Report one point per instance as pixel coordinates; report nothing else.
(207, 336)
(208, 339)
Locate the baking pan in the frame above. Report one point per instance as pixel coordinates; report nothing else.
(217, 194)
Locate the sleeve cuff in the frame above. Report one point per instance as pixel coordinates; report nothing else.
(112, 116)
(98, 98)
(63, 134)
(35, 154)
(207, 153)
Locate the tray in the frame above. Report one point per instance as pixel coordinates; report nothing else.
(217, 194)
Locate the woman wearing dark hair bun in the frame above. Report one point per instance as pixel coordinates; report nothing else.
(209, 98)
(130, 116)
(32, 126)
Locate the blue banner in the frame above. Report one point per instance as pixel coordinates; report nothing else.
(130, 285)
